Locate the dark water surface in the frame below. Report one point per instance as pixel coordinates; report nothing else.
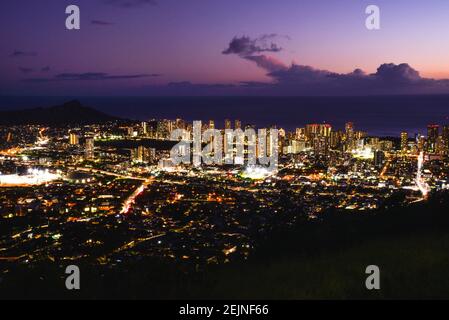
(378, 115)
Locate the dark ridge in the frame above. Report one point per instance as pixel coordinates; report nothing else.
(70, 113)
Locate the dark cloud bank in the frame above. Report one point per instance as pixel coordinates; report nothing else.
(303, 80)
(298, 79)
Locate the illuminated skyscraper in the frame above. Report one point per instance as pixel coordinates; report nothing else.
(74, 139)
(228, 124)
(445, 136)
(433, 131)
(238, 124)
(144, 128)
(404, 142)
(421, 142)
(300, 133)
(227, 136)
(211, 124)
(379, 158)
(318, 137)
(143, 155)
(89, 148)
(349, 135)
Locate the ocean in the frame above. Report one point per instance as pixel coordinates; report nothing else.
(377, 115)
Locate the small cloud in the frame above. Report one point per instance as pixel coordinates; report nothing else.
(100, 76)
(101, 23)
(89, 76)
(400, 72)
(244, 46)
(20, 54)
(252, 49)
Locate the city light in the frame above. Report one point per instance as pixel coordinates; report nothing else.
(256, 173)
(33, 177)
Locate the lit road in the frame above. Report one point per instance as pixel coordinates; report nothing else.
(420, 183)
(127, 205)
(107, 173)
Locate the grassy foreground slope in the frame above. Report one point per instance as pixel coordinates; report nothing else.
(325, 259)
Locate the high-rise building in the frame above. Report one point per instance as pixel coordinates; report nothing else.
(336, 139)
(404, 142)
(445, 136)
(144, 128)
(379, 158)
(433, 132)
(74, 139)
(440, 148)
(238, 124)
(318, 137)
(180, 124)
(320, 130)
(89, 148)
(211, 124)
(143, 154)
(420, 142)
(228, 124)
(349, 136)
(300, 133)
(164, 128)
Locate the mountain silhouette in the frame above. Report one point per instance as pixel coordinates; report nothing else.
(70, 113)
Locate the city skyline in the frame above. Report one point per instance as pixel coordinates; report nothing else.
(210, 149)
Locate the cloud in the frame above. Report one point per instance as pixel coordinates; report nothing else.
(389, 78)
(89, 76)
(268, 63)
(245, 46)
(20, 54)
(101, 23)
(401, 72)
(45, 69)
(252, 49)
(303, 80)
(130, 3)
(296, 79)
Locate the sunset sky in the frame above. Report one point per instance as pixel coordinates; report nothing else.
(202, 47)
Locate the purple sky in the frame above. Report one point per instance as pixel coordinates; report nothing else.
(213, 47)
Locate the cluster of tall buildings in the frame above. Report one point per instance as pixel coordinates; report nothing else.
(89, 144)
(162, 129)
(143, 154)
(321, 138)
(436, 142)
